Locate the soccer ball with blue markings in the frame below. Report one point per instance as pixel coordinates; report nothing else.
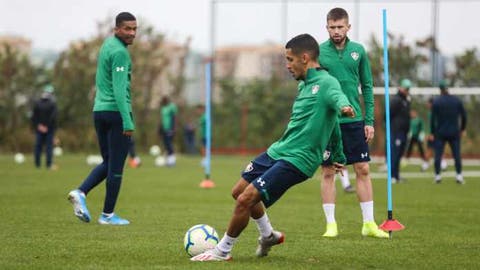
(200, 238)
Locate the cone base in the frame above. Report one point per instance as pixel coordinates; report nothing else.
(391, 225)
(207, 183)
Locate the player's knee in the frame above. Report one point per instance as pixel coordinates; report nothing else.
(362, 169)
(236, 192)
(328, 174)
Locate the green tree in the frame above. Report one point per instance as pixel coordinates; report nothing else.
(403, 60)
(467, 69)
(19, 79)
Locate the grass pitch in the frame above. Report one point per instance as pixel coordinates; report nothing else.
(39, 231)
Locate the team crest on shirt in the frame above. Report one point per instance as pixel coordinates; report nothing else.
(355, 55)
(249, 167)
(326, 155)
(315, 89)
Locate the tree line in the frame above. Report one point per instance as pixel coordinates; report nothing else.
(249, 115)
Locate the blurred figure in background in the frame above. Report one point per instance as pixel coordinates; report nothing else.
(168, 114)
(416, 138)
(399, 126)
(44, 121)
(134, 161)
(448, 123)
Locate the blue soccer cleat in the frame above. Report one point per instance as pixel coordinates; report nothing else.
(112, 220)
(77, 198)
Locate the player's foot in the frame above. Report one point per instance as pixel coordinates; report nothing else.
(112, 219)
(438, 179)
(371, 229)
(459, 179)
(211, 255)
(266, 243)
(77, 198)
(349, 189)
(331, 231)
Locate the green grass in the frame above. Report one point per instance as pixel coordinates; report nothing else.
(38, 229)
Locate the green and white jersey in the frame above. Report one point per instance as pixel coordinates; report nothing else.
(312, 122)
(112, 81)
(351, 68)
(168, 113)
(202, 123)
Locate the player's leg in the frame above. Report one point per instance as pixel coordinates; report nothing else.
(238, 222)
(118, 145)
(49, 147)
(328, 200)
(395, 159)
(78, 196)
(455, 147)
(439, 144)
(171, 159)
(365, 197)
(38, 148)
(252, 171)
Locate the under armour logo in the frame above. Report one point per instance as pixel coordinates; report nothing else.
(261, 182)
(119, 69)
(364, 155)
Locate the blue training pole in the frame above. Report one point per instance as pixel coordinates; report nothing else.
(387, 112)
(208, 120)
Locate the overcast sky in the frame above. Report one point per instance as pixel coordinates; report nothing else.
(53, 24)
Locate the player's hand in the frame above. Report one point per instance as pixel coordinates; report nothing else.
(348, 111)
(128, 133)
(338, 167)
(369, 133)
(42, 128)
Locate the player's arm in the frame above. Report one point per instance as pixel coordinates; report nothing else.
(338, 101)
(366, 84)
(433, 119)
(463, 117)
(119, 81)
(337, 146)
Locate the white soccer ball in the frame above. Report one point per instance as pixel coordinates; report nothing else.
(57, 151)
(160, 161)
(200, 238)
(93, 160)
(19, 158)
(443, 165)
(155, 150)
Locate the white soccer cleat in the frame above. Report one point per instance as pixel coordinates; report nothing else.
(211, 255)
(77, 199)
(265, 244)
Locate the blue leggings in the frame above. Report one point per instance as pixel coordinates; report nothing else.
(42, 139)
(113, 148)
(454, 142)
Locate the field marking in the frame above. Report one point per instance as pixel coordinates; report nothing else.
(409, 175)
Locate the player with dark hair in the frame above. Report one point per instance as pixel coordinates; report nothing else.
(295, 156)
(113, 119)
(44, 122)
(448, 123)
(348, 62)
(168, 114)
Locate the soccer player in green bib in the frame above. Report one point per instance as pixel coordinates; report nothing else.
(114, 125)
(348, 62)
(295, 156)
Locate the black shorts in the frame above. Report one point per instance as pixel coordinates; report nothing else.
(272, 177)
(354, 142)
